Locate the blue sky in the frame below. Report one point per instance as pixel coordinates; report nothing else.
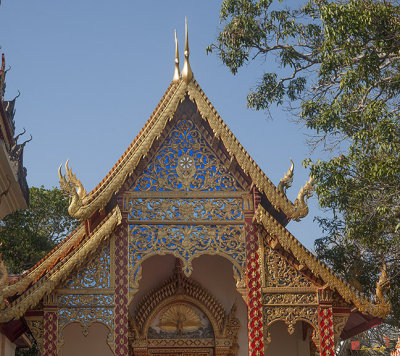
(91, 72)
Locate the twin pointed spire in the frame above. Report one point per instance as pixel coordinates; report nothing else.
(187, 73)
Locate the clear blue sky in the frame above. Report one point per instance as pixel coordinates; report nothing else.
(91, 72)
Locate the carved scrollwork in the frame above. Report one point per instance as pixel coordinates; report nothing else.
(35, 325)
(172, 308)
(280, 274)
(185, 209)
(186, 242)
(95, 275)
(86, 309)
(290, 299)
(339, 322)
(185, 162)
(291, 315)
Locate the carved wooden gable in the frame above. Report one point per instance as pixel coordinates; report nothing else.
(185, 202)
(87, 295)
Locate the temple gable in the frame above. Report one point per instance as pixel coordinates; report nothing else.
(185, 162)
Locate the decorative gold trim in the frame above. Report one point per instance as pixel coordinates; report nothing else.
(185, 194)
(177, 73)
(82, 208)
(48, 283)
(26, 280)
(35, 325)
(187, 73)
(289, 242)
(177, 290)
(286, 182)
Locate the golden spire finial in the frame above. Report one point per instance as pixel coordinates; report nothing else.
(187, 73)
(177, 73)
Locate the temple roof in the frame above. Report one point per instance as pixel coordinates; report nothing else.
(40, 280)
(84, 206)
(27, 291)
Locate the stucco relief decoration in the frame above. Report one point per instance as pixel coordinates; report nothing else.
(185, 162)
(282, 303)
(85, 309)
(95, 275)
(184, 209)
(171, 210)
(187, 243)
(280, 274)
(180, 320)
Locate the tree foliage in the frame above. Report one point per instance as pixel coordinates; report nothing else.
(28, 235)
(340, 66)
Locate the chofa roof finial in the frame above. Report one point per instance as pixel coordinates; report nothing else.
(177, 72)
(187, 73)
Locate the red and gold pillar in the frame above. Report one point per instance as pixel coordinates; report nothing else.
(253, 277)
(325, 322)
(50, 325)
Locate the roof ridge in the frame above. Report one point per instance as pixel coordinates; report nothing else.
(30, 297)
(289, 242)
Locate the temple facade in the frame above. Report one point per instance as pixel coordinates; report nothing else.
(182, 250)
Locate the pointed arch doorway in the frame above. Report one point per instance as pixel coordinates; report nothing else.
(180, 317)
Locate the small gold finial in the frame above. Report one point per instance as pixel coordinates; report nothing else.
(187, 73)
(177, 72)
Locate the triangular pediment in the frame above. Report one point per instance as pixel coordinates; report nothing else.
(186, 162)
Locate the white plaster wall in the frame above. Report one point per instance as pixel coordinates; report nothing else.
(212, 272)
(7, 348)
(283, 344)
(76, 344)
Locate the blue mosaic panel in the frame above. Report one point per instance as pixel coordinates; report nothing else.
(94, 275)
(186, 162)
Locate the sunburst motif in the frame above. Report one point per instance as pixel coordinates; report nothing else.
(180, 318)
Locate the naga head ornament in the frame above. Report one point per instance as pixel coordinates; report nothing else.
(72, 187)
(300, 204)
(287, 180)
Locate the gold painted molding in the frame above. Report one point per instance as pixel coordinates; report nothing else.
(289, 242)
(57, 275)
(83, 207)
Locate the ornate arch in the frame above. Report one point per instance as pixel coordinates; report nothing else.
(179, 289)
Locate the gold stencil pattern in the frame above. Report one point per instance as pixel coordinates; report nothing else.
(185, 162)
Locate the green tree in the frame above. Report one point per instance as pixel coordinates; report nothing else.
(340, 68)
(28, 235)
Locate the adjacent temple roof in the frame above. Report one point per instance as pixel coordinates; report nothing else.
(44, 277)
(14, 192)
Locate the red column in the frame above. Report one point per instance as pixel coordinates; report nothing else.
(121, 292)
(325, 321)
(50, 326)
(253, 274)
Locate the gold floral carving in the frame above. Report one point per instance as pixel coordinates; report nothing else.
(290, 313)
(339, 322)
(86, 310)
(35, 325)
(178, 285)
(140, 210)
(84, 207)
(185, 162)
(280, 274)
(186, 242)
(290, 299)
(57, 276)
(175, 293)
(96, 274)
(289, 243)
